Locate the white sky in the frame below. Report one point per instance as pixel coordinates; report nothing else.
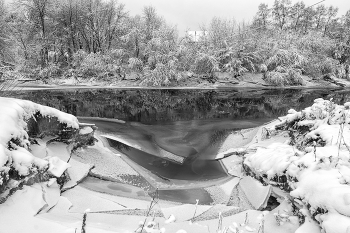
(189, 14)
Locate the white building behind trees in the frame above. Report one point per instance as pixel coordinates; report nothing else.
(196, 36)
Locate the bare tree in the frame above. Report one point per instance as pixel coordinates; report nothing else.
(38, 11)
(281, 12)
(331, 14)
(297, 12)
(262, 16)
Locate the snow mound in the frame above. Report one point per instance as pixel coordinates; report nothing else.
(314, 166)
(14, 138)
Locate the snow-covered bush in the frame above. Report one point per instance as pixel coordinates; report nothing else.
(285, 58)
(263, 68)
(162, 75)
(97, 65)
(284, 77)
(135, 64)
(314, 165)
(235, 67)
(237, 61)
(206, 64)
(317, 66)
(50, 71)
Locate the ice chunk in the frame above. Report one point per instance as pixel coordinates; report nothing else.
(58, 149)
(77, 172)
(57, 167)
(256, 193)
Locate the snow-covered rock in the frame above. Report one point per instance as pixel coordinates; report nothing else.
(20, 121)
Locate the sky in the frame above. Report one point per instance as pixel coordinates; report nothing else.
(190, 14)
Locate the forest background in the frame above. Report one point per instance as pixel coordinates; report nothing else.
(99, 40)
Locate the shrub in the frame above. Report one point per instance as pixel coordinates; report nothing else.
(320, 65)
(92, 65)
(235, 67)
(342, 71)
(118, 56)
(275, 78)
(78, 58)
(135, 64)
(263, 68)
(7, 74)
(290, 78)
(96, 65)
(294, 78)
(206, 64)
(50, 71)
(162, 75)
(238, 62)
(186, 55)
(286, 58)
(280, 69)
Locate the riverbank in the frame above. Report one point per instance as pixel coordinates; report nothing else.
(224, 80)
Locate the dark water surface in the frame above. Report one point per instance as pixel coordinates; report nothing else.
(158, 106)
(189, 125)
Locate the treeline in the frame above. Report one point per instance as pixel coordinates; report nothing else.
(95, 39)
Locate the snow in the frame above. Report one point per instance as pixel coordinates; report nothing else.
(256, 193)
(184, 212)
(86, 130)
(58, 149)
(273, 160)
(39, 150)
(14, 113)
(120, 139)
(19, 213)
(35, 206)
(51, 195)
(4, 156)
(229, 186)
(23, 161)
(318, 173)
(309, 226)
(57, 166)
(335, 223)
(77, 172)
(83, 199)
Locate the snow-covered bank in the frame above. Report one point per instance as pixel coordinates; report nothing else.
(25, 154)
(312, 163)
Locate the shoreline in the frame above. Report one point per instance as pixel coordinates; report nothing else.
(246, 81)
(72, 87)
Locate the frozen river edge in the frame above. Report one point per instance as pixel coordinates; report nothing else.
(275, 160)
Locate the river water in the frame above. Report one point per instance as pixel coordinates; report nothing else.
(176, 134)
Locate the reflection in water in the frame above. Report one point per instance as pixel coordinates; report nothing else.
(194, 170)
(162, 106)
(183, 150)
(176, 134)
